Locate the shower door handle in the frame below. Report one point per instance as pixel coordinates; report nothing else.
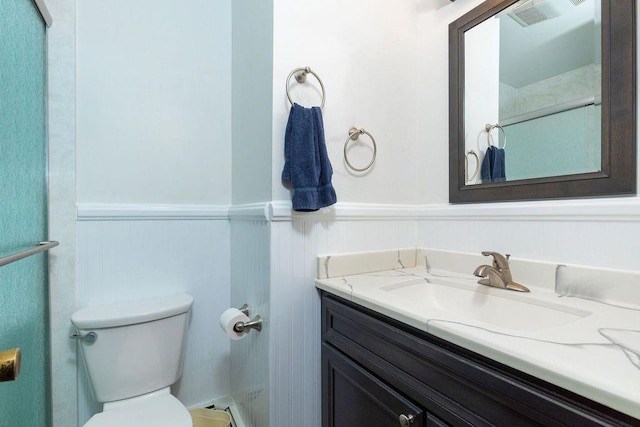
(9, 364)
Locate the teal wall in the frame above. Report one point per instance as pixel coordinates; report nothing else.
(559, 144)
(23, 216)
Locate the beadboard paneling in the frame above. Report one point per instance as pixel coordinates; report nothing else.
(131, 260)
(249, 357)
(597, 243)
(295, 305)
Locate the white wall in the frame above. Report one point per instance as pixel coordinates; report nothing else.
(251, 104)
(62, 208)
(153, 94)
(433, 19)
(364, 52)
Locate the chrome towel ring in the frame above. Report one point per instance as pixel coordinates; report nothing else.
(466, 166)
(354, 133)
(489, 127)
(301, 77)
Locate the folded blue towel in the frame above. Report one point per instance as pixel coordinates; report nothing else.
(307, 164)
(492, 168)
(498, 171)
(485, 169)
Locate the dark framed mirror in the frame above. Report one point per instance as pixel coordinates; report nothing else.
(580, 144)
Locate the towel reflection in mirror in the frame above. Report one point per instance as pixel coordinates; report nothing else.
(493, 163)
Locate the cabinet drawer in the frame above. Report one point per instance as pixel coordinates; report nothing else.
(357, 398)
(454, 384)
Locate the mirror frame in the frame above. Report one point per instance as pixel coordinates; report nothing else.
(618, 140)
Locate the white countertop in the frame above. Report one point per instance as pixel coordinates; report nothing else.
(594, 351)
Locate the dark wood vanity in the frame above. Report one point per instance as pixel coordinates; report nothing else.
(379, 372)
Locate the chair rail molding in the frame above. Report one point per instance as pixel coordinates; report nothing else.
(123, 212)
(608, 210)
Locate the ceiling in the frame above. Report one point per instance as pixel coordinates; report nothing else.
(554, 46)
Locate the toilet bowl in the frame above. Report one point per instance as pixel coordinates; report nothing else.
(155, 409)
(133, 352)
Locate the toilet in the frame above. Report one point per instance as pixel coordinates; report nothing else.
(136, 355)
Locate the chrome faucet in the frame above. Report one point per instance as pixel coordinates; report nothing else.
(498, 275)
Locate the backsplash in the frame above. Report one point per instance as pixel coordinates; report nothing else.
(614, 287)
(363, 262)
(609, 286)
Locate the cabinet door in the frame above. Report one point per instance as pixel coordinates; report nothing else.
(352, 397)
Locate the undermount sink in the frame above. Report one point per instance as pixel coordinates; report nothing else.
(499, 307)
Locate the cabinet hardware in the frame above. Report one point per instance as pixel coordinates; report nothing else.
(406, 420)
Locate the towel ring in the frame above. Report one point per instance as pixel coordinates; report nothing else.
(489, 127)
(301, 77)
(466, 166)
(353, 135)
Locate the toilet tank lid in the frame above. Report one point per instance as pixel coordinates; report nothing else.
(129, 313)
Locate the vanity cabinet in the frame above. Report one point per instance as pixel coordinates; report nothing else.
(376, 369)
(358, 398)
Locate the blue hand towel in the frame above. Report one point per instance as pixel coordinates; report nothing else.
(487, 166)
(498, 172)
(307, 164)
(493, 169)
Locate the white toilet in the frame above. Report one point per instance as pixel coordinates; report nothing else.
(136, 355)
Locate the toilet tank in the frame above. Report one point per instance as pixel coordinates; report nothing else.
(139, 346)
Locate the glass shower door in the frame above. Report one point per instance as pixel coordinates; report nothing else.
(23, 216)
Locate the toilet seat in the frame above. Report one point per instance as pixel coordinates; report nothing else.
(159, 409)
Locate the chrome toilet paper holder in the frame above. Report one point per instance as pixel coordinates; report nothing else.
(255, 323)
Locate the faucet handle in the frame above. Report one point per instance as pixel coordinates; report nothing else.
(499, 261)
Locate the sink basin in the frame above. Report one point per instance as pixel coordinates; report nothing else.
(498, 307)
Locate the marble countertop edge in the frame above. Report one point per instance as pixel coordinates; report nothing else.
(597, 374)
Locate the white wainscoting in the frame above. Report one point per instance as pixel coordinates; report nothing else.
(276, 373)
(265, 255)
(295, 303)
(250, 284)
(122, 258)
(597, 233)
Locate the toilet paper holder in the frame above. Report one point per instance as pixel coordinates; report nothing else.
(255, 323)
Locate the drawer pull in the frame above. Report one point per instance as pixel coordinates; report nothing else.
(406, 420)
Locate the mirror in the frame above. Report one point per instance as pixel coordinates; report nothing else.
(542, 100)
